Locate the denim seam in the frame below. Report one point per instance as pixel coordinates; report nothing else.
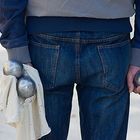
(82, 40)
(44, 45)
(116, 45)
(111, 87)
(106, 85)
(54, 65)
(54, 68)
(77, 63)
(103, 67)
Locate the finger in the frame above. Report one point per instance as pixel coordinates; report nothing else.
(130, 83)
(137, 90)
(29, 64)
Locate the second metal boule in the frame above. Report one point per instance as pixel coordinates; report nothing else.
(26, 87)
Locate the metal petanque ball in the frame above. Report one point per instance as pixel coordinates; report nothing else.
(14, 68)
(26, 87)
(137, 79)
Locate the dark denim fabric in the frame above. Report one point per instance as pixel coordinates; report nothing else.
(12, 25)
(97, 62)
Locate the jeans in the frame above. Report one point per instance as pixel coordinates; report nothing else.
(97, 62)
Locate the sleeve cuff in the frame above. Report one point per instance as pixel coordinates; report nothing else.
(135, 60)
(20, 54)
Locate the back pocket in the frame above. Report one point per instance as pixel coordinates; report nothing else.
(115, 60)
(44, 58)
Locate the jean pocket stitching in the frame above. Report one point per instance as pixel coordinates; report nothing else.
(105, 81)
(102, 40)
(103, 66)
(111, 86)
(44, 45)
(120, 44)
(107, 84)
(108, 38)
(54, 68)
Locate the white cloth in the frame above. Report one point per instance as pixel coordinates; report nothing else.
(27, 116)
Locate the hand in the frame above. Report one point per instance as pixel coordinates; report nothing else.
(30, 64)
(130, 77)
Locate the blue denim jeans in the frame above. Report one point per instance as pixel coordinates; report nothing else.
(97, 62)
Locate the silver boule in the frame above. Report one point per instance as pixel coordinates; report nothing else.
(26, 87)
(25, 74)
(14, 68)
(137, 79)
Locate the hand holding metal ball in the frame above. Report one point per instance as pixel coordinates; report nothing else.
(25, 86)
(137, 79)
(14, 68)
